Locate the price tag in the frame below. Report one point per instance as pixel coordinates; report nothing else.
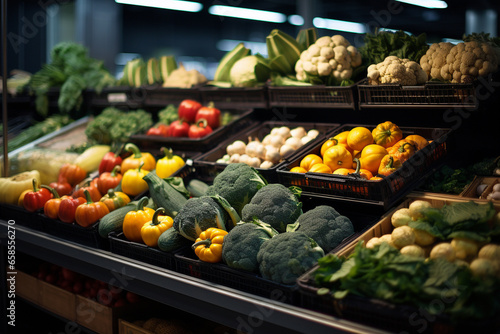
(117, 97)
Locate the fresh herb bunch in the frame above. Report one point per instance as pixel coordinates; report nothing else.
(382, 44)
(71, 70)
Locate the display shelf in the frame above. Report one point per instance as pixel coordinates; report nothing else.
(221, 304)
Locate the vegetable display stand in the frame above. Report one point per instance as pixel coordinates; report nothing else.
(432, 94)
(312, 96)
(241, 121)
(208, 167)
(235, 97)
(383, 314)
(157, 96)
(382, 193)
(88, 236)
(120, 97)
(473, 190)
(118, 244)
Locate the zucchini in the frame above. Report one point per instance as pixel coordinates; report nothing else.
(171, 240)
(197, 188)
(113, 221)
(164, 195)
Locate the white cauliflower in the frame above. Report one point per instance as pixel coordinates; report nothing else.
(329, 58)
(394, 70)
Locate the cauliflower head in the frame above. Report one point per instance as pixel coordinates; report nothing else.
(329, 59)
(394, 70)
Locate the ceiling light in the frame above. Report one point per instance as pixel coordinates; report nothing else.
(229, 44)
(296, 20)
(354, 27)
(427, 3)
(247, 13)
(186, 6)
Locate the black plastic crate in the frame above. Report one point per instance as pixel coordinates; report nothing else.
(312, 96)
(235, 97)
(123, 97)
(21, 216)
(88, 236)
(207, 164)
(383, 193)
(118, 244)
(432, 94)
(242, 121)
(157, 96)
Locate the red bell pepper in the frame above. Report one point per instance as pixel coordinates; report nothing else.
(67, 208)
(211, 114)
(73, 174)
(188, 109)
(110, 160)
(179, 128)
(108, 180)
(200, 129)
(161, 130)
(91, 186)
(36, 199)
(61, 186)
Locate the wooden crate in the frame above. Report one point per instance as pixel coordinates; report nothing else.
(100, 318)
(125, 327)
(384, 226)
(27, 287)
(57, 300)
(471, 190)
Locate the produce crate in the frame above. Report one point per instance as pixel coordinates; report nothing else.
(235, 97)
(318, 96)
(163, 96)
(88, 236)
(379, 313)
(220, 273)
(432, 94)
(206, 163)
(125, 327)
(243, 121)
(471, 190)
(118, 244)
(27, 286)
(57, 300)
(21, 216)
(123, 97)
(383, 193)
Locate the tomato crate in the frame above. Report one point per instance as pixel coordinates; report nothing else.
(157, 96)
(88, 236)
(382, 193)
(118, 244)
(242, 119)
(384, 314)
(432, 94)
(318, 96)
(208, 167)
(235, 97)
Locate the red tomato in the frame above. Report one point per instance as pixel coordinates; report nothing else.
(200, 129)
(211, 114)
(179, 128)
(162, 130)
(187, 110)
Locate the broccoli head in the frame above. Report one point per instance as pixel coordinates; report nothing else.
(275, 205)
(242, 244)
(325, 226)
(287, 256)
(237, 183)
(201, 213)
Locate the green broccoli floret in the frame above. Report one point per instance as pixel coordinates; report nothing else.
(242, 244)
(325, 226)
(201, 213)
(287, 256)
(237, 183)
(275, 205)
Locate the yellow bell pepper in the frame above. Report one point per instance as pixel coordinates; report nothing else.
(12, 187)
(169, 164)
(208, 246)
(134, 220)
(151, 231)
(132, 182)
(136, 158)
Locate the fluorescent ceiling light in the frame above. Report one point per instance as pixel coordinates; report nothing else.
(452, 40)
(354, 27)
(229, 44)
(296, 20)
(186, 6)
(427, 3)
(395, 30)
(247, 13)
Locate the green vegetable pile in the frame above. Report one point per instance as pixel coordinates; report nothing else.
(384, 273)
(114, 126)
(71, 70)
(168, 115)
